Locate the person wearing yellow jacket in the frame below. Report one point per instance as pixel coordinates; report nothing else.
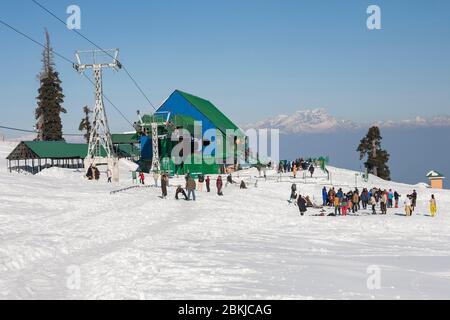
(433, 206)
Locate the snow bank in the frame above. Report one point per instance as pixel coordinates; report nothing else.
(249, 244)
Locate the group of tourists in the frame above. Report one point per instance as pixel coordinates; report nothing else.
(93, 174)
(355, 200)
(298, 165)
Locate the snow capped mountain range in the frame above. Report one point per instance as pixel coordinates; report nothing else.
(320, 121)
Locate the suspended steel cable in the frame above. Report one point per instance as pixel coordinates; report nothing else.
(100, 48)
(67, 60)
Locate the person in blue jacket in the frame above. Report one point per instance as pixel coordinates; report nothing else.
(340, 194)
(325, 196)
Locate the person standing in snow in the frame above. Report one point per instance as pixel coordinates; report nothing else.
(408, 206)
(433, 206)
(293, 193)
(156, 178)
(373, 202)
(190, 187)
(325, 196)
(344, 206)
(219, 185)
(365, 198)
(109, 175)
(337, 206)
(355, 202)
(142, 178)
(414, 200)
(396, 198)
(201, 180)
(90, 173)
(96, 173)
(302, 204)
(208, 184)
(390, 199)
(294, 171)
(311, 170)
(164, 185)
(384, 202)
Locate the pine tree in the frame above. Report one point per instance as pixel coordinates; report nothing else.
(50, 99)
(85, 124)
(377, 158)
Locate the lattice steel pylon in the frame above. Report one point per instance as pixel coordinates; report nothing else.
(156, 165)
(100, 150)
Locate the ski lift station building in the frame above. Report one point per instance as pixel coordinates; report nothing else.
(180, 111)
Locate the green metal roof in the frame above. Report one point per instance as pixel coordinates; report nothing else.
(125, 138)
(210, 111)
(435, 174)
(57, 150)
(50, 150)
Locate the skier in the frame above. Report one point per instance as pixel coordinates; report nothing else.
(294, 171)
(219, 185)
(325, 196)
(243, 185)
(164, 184)
(433, 206)
(301, 202)
(208, 184)
(190, 187)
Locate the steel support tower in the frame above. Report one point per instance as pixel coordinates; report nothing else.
(100, 150)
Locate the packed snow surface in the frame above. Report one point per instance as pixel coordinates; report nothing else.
(62, 237)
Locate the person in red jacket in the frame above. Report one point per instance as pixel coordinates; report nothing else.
(142, 177)
(219, 185)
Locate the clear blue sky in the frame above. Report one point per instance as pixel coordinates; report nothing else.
(252, 58)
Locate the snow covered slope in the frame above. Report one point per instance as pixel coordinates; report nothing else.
(62, 237)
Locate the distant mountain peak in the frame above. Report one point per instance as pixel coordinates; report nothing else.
(304, 121)
(318, 120)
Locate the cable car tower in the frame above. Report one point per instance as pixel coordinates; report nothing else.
(100, 150)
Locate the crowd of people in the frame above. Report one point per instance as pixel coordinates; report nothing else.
(298, 165)
(342, 202)
(193, 185)
(355, 200)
